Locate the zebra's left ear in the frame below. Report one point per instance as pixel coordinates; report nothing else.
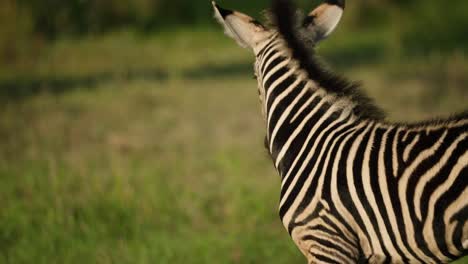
(246, 31)
(323, 20)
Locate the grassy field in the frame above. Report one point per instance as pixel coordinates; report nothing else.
(124, 149)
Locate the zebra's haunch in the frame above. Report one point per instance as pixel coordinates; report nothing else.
(355, 188)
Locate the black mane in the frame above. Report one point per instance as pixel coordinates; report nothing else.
(284, 13)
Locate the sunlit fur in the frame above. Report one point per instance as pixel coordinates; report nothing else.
(356, 188)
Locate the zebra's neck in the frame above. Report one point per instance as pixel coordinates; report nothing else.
(296, 109)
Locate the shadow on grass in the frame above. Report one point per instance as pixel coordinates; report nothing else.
(212, 71)
(16, 89)
(22, 87)
(19, 88)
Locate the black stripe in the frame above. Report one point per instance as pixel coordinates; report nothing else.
(328, 245)
(266, 69)
(338, 230)
(441, 205)
(321, 166)
(266, 49)
(324, 259)
(346, 247)
(285, 131)
(343, 188)
(281, 107)
(275, 76)
(461, 217)
(343, 131)
(425, 141)
(421, 169)
(358, 163)
(454, 192)
(280, 88)
(266, 59)
(283, 135)
(292, 153)
(392, 184)
(374, 182)
(444, 172)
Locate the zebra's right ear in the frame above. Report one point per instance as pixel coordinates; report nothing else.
(246, 31)
(323, 20)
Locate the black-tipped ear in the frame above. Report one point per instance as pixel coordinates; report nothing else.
(245, 30)
(340, 3)
(223, 12)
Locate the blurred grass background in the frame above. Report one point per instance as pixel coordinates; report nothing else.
(130, 131)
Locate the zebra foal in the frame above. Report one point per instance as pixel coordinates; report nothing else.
(355, 188)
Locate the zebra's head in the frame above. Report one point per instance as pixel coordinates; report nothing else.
(249, 33)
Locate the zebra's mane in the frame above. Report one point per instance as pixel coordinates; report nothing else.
(285, 19)
(436, 121)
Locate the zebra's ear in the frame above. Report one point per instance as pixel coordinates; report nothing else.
(323, 20)
(245, 30)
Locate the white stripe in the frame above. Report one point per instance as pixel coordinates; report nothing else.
(383, 186)
(285, 178)
(405, 137)
(334, 239)
(298, 130)
(454, 208)
(317, 195)
(430, 174)
(403, 188)
(376, 247)
(273, 71)
(317, 139)
(306, 104)
(329, 253)
(310, 177)
(410, 147)
(286, 112)
(395, 153)
(366, 181)
(428, 231)
(333, 253)
(345, 231)
(276, 47)
(266, 64)
(336, 200)
(267, 42)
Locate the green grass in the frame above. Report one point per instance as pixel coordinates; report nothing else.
(141, 170)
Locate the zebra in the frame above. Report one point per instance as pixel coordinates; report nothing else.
(355, 188)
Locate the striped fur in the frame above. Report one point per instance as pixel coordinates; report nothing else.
(356, 188)
(353, 186)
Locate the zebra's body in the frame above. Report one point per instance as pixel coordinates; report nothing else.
(354, 187)
(369, 184)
